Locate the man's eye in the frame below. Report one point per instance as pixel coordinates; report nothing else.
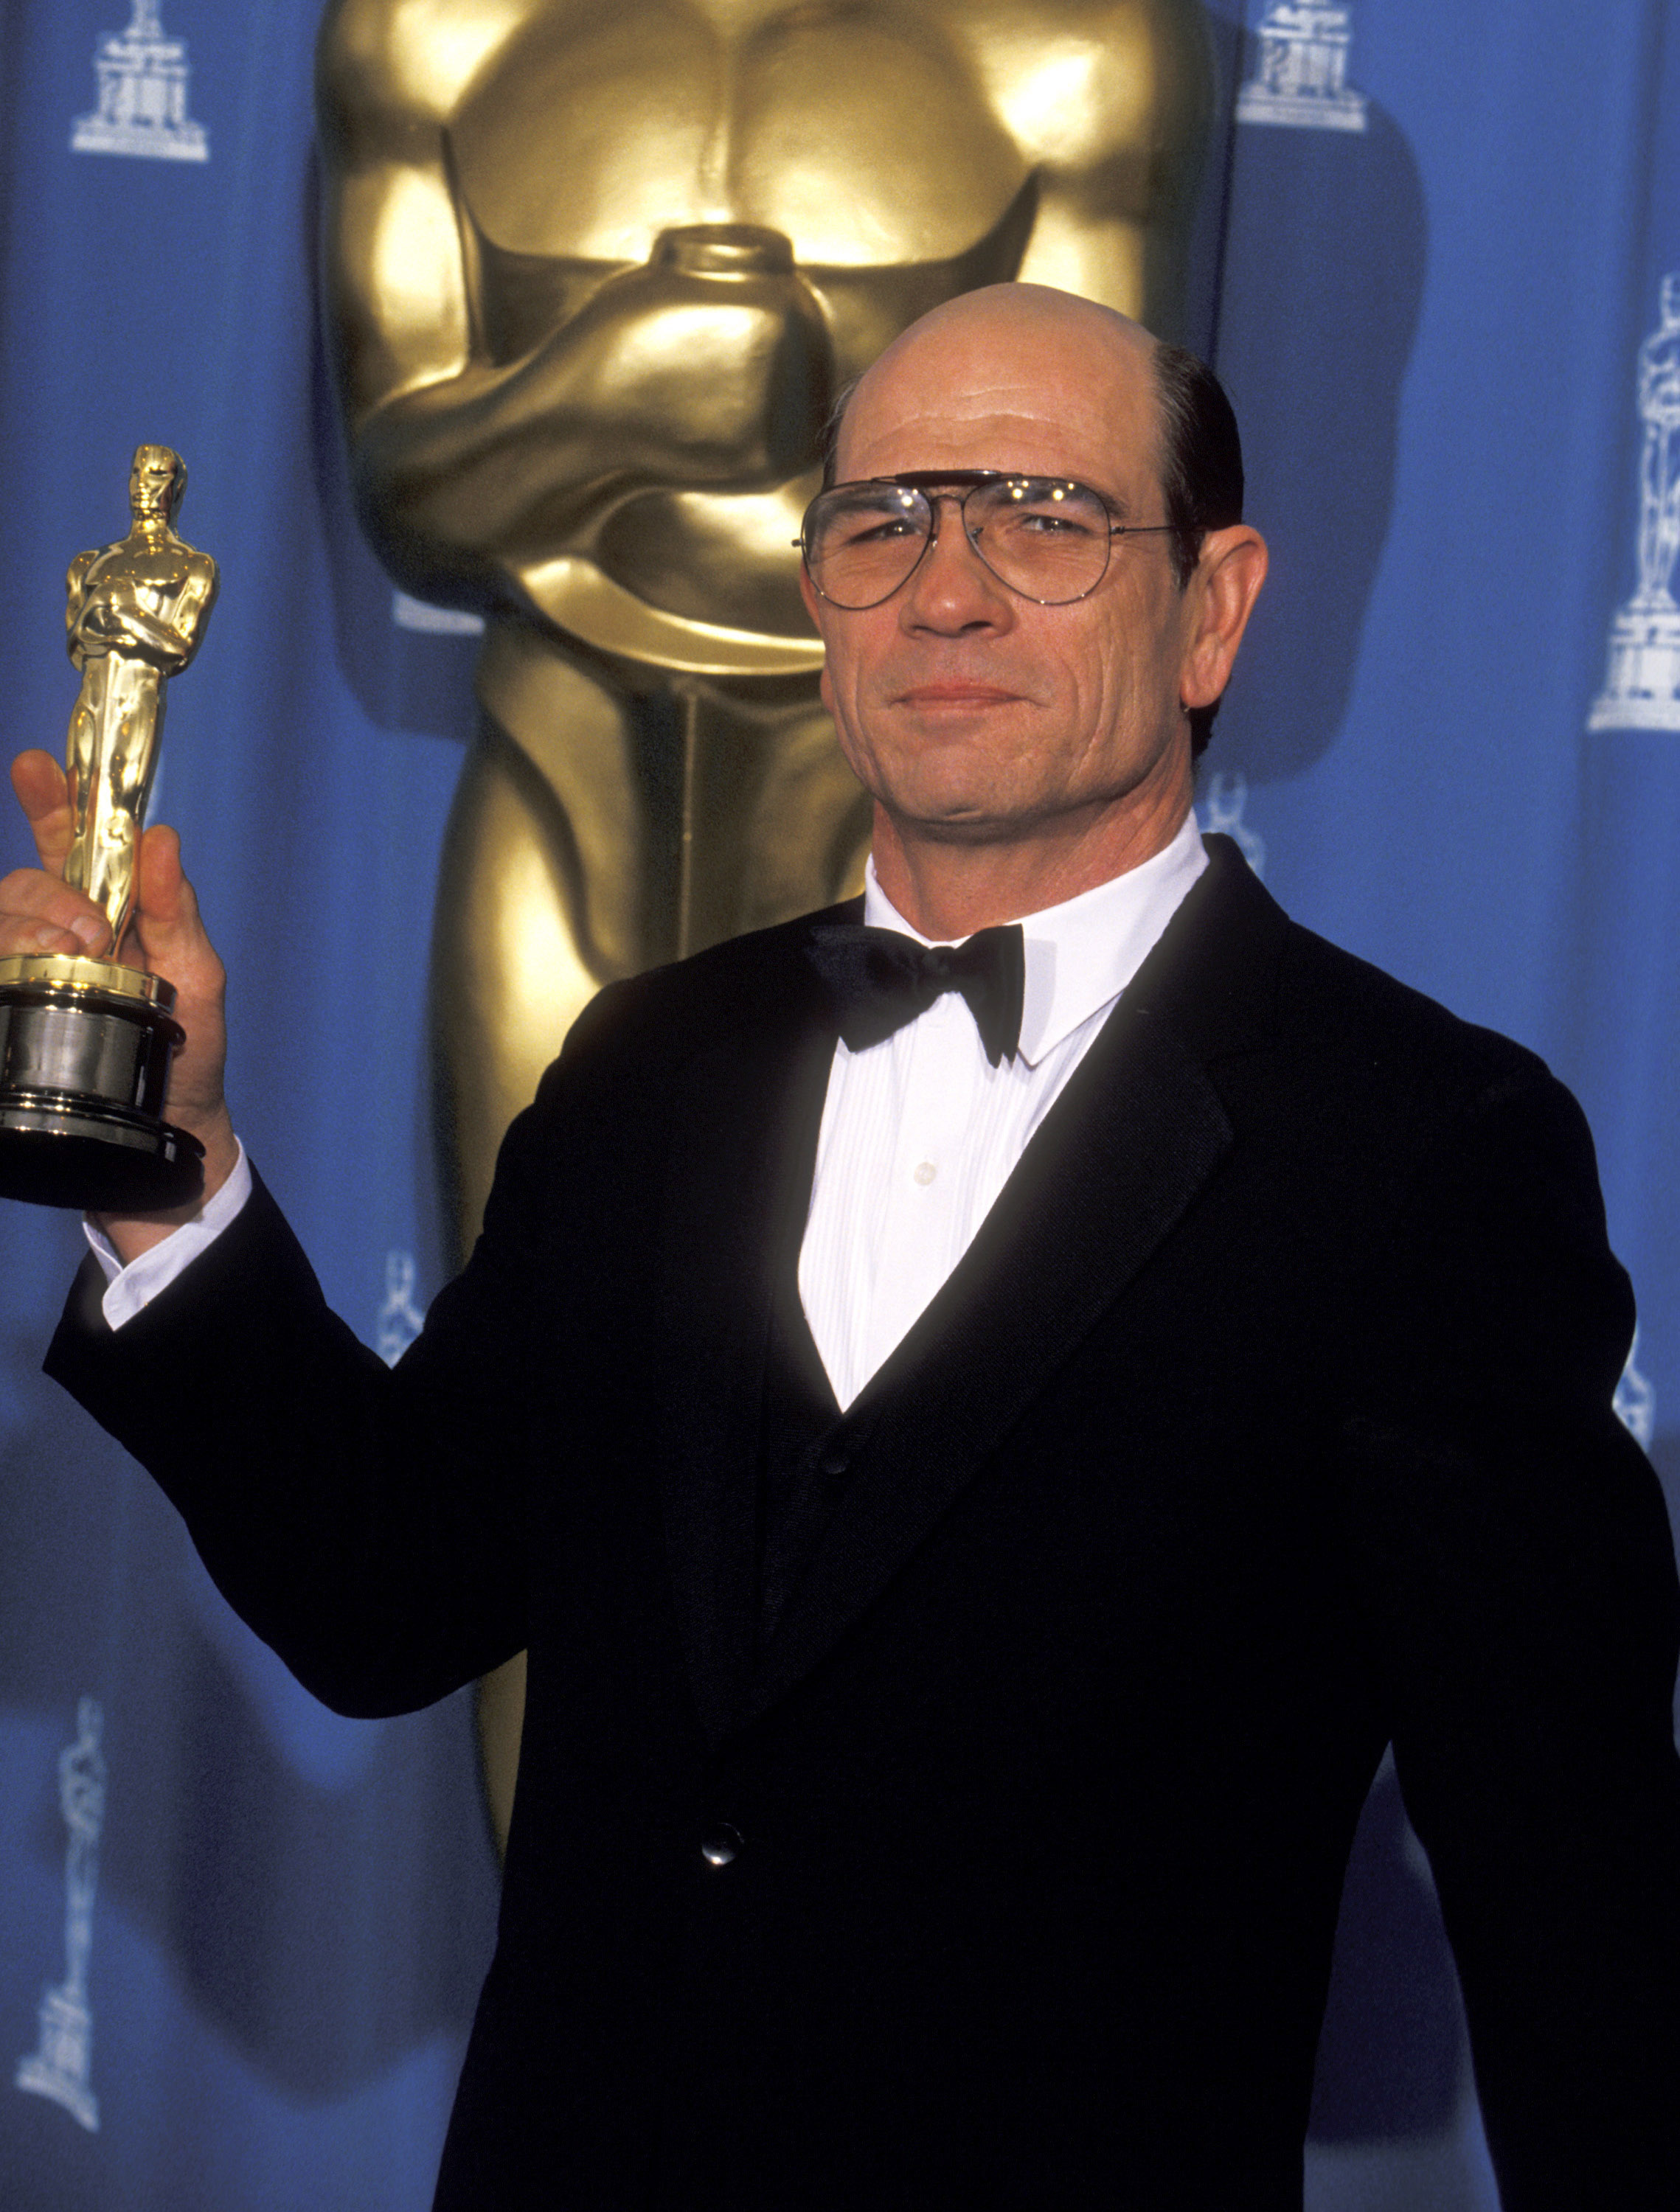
(1048, 522)
(876, 530)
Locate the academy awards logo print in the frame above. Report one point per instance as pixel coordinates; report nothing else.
(61, 2065)
(1222, 811)
(142, 75)
(1300, 70)
(401, 1319)
(1642, 685)
(1635, 1402)
(421, 615)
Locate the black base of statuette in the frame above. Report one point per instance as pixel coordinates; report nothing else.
(84, 1061)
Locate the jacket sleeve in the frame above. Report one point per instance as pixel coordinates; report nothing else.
(1515, 1570)
(368, 1523)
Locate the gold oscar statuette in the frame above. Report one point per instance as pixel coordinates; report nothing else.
(85, 1044)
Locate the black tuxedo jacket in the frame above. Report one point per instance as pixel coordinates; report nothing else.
(1268, 1419)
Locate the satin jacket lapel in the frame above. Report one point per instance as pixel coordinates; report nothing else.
(750, 1106)
(1136, 1134)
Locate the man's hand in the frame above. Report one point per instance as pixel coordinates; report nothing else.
(39, 913)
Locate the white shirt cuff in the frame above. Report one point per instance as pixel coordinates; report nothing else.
(129, 1289)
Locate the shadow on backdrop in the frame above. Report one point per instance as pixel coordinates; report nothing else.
(1326, 244)
(323, 1933)
(1392, 2050)
(1307, 283)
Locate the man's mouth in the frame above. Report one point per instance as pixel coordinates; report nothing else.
(955, 693)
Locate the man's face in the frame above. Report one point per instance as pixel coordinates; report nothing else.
(970, 713)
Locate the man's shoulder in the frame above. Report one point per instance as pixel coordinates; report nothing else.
(747, 990)
(1275, 986)
(1334, 1002)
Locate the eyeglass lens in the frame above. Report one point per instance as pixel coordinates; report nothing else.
(1046, 538)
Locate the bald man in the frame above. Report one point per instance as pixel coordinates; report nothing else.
(991, 1407)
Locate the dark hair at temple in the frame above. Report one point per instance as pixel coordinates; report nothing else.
(836, 415)
(1202, 475)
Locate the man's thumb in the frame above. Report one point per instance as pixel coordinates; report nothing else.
(167, 911)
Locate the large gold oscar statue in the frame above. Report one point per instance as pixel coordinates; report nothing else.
(596, 270)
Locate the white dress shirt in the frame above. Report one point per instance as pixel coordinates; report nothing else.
(128, 1289)
(919, 1133)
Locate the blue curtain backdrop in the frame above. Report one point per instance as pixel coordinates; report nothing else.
(239, 1939)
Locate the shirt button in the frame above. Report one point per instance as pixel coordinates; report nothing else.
(925, 1173)
(720, 1845)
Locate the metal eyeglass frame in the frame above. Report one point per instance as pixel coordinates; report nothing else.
(969, 481)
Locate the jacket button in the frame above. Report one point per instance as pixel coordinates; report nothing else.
(720, 1845)
(835, 1458)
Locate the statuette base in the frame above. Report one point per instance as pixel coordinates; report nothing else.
(1642, 689)
(84, 1061)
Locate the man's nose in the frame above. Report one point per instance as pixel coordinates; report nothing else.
(952, 588)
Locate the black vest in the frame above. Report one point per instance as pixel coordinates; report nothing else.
(806, 1449)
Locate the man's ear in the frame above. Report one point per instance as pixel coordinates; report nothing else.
(807, 592)
(1223, 590)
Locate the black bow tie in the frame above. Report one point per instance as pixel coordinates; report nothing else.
(879, 979)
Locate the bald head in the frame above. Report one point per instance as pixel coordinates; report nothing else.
(1004, 337)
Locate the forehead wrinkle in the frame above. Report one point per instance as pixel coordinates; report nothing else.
(1100, 452)
(1011, 378)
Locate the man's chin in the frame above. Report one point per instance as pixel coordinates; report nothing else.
(956, 818)
(966, 829)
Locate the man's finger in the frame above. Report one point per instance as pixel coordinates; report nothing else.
(43, 793)
(166, 919)
(166, 896)
(39, 914)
